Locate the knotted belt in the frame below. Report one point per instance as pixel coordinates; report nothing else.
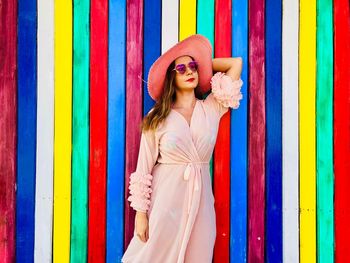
(186, 177)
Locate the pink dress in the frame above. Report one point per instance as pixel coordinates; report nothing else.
(172, 181)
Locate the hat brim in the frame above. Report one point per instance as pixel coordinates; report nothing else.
(196, 46)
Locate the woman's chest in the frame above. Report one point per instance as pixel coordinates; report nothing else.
(199, 131)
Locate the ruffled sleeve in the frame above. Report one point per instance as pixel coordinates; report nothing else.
(141, 180)
(225, 93)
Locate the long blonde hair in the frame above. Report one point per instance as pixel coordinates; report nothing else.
(162, 107)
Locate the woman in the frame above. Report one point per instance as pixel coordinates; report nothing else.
(171, 187)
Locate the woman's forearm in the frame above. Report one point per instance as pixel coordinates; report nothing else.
(231, 66)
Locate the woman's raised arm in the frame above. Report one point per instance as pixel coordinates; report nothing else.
(231, 66)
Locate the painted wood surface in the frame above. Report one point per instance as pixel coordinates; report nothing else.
(341, 131)
(170, 24)
(290, 130)
(205, 27)
(45, 156)
(45, 133)
(80, 131)
(222, 42)
(134, 51)
(256, 139)
(239, 140)
(187, 18)
(151, 42)
(8, 128)
(63, 130)
(98, 130)
(273, 166)
(26, 129)
(324, 132)
(116, 130)
(307, 130)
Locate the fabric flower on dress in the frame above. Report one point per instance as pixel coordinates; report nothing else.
(140, 190)
(225, 90)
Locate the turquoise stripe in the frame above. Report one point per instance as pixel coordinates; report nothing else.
(324, 132)
(80, 131)
(205, 27)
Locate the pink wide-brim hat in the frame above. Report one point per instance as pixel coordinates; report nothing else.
(196, 46)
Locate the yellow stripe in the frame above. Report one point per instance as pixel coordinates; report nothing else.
(63, 120)
(187, 18)
(307, 89)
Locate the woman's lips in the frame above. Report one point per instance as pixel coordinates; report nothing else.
(190, 80)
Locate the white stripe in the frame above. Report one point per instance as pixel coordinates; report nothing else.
(45, 132)
(290, 131)
(170, 24)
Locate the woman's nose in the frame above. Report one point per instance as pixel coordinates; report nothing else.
(188, 70)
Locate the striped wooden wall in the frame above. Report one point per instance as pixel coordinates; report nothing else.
(73, 92)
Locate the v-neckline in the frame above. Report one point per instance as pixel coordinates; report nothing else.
(189, 125)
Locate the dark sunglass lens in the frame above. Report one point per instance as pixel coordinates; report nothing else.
(181, 68)
(193, 65)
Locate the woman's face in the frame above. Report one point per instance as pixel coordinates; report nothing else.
(181, 80)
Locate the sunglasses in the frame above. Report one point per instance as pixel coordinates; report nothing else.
(181, 68)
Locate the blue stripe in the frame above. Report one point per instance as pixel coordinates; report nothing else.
(26, 141)
(116, 130)
(151, 45)
(239, 143)
(273, 131)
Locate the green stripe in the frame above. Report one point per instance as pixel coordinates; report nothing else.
(205, 27)
(81, 47)
(324, 132)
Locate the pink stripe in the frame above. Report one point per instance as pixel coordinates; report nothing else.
(256, 147)
(8, 112)
(134, 45)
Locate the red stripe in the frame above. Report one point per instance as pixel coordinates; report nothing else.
(342, 128)
(256, 140)
(134, 58)
(222, 147)
(98, 131)
(8, 112)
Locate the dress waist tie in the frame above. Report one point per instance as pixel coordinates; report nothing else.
(186, 177)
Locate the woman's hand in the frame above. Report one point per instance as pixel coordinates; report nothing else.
(141, 225)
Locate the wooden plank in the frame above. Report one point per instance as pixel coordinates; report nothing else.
(26, 129)
(116, 130)
(239, 140)
(187, 18)
(324, 132)
(256, 139)
(307, 154)
(222, 147)
(341, 129)
(134, 51)
(45, 133)
(205, 19)
(290, 148)
(63, 131)
(205, 27)
(80, 131)
(170, 24)
(8, 123)
(98, 130)
(273, 42)
(151, 44)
